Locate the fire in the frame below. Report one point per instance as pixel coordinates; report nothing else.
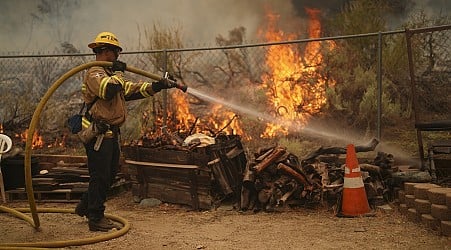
(37, 141)
(183, 115)
(224, 120)
(294, 88)
(61, 143)
(181, 119)
(219, 120)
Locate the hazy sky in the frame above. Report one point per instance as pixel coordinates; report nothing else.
(24, 29)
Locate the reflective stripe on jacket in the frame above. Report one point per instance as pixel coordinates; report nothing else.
(111, 111)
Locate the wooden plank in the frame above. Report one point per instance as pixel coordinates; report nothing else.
(57, 195)
(234, 152)
(164, 155)
(166, 165)
(59, 158)
(72, 170)
(193, 190)
(181, 184)
(171, 194)
(175, 174)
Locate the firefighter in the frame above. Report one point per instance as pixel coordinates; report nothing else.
(105, 91)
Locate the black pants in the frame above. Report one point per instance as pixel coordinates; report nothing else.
(102, 166)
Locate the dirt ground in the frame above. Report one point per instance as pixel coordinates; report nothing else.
(170, 226)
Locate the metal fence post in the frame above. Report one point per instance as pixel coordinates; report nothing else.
(165, 94)
(379, 84)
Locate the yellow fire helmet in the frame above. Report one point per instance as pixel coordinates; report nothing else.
(105, 38)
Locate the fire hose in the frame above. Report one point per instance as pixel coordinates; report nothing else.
(34, 219)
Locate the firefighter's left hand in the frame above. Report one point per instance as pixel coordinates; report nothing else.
(171, 77)
(162, 84)
(118, 66)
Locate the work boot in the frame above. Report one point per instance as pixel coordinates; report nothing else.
(81, 209)
(103, 225)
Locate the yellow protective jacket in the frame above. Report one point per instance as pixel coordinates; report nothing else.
(113, 111)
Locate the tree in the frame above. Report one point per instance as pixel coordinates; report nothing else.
(56, 16)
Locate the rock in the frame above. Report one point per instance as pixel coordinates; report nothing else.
(150, 202)
(412, 176)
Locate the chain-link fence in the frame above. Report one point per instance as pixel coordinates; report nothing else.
(356, 78)
(429, 53)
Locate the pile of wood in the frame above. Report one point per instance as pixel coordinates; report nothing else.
(59, 178)
(187, 174)
(276, 178)
(62, 175)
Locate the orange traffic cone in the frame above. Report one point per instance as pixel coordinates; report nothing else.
(354, 201)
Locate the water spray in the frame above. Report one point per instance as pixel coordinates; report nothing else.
(292, 126)
(311, 128)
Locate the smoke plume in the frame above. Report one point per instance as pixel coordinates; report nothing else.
(43, 25)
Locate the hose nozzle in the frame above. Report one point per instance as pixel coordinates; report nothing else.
(174, 84)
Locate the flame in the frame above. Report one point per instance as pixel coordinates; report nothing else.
(182, 122)
(224, 120)
(37, 141)
(294, 88)
(183, 115)
(61, 143)
(220, 120)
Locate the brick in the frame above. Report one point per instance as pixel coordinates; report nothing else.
(408, 187)
(448, 200)
(422, 206)
(431, 222)
(438, 195)
(440, 212)
(410, 200)
(445, 227)
(420, 190)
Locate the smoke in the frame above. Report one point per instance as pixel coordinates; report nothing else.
(200, 21)
(398, 14)
(432, 7)
(27, 27)
(326, 6)
(398, 7)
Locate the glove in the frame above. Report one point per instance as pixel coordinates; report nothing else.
(162, 84)
(171, 77)
(118, 66)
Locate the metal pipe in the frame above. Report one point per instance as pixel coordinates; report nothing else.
(433, 28)
(379, 85)
(414, 94)
(165, 95)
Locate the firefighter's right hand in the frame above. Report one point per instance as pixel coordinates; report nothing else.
(102, 127)
(118, 66)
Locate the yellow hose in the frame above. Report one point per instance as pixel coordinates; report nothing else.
(34, 220)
